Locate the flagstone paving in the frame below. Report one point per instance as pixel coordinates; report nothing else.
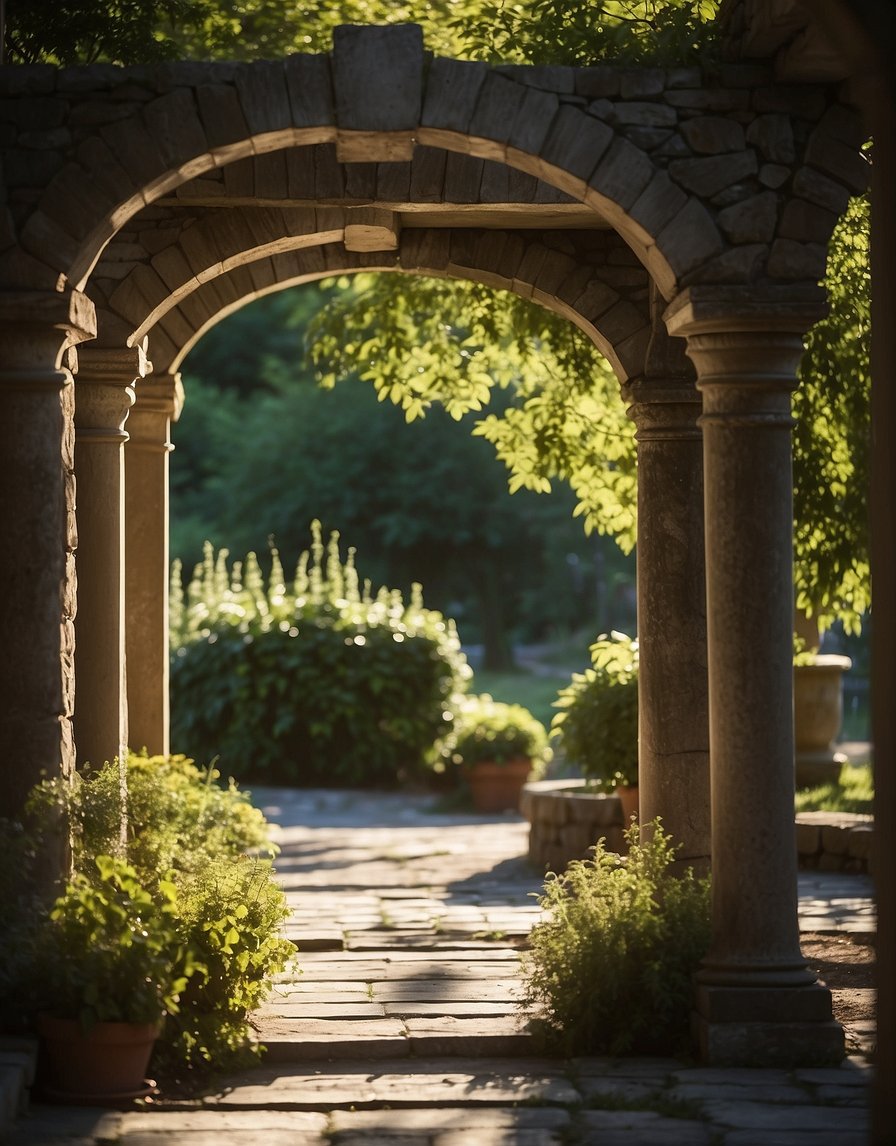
(401, 1024)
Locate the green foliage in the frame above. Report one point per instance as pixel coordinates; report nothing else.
(189, 893)
(670, 32)
(486, 729)
(854, 792)
(318, 682)
(111, 950)
(230, 913)
(609, 970)
(832, 437)
(177, 814)
(429, 341)
(597, 725)
(67, 32)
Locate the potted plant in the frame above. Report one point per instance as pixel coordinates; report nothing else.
(597, 725)
(498, 746)
(108, 965)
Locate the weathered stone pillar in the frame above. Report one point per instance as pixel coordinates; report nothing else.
(673, 724)
(159, 400)
(103, 396)
(757, 1001)
(37, 602)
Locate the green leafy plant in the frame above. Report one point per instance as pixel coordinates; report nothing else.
(316, 682)
(610, 969)
(597, 725)
(230, 913)
(189, 883)
(487, 729)
(112, 951)
(178, 814)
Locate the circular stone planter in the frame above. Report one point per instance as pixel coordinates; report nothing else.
(565, 821)
(818, 715)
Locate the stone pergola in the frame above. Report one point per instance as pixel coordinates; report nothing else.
(680, 218)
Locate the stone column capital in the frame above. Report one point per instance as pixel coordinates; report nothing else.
(704, 310)
(160, 399)
(662, 408)
(104, 391)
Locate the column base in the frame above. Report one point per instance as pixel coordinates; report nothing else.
(776, 1026)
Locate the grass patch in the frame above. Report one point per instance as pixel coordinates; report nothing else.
(535, 692)
(853, 793)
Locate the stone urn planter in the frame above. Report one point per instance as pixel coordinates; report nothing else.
(818, 715)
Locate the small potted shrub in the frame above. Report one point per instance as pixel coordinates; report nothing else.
(597, 725)
(108, 964)
(497, 746)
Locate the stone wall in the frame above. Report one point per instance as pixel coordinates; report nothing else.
(566, 822)
(834, 841)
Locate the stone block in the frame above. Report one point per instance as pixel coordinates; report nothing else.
(300, 172)
(576, 142)
(860, 842)
(712, 134)
(751, 220)
(427, 174)
(136, 150)
(806, 222)
(808, 838)
(644, 114)
(429, 250)
(691, 238)
(772, 136)
(22, 168)
(709, 99)
(807, 101)
(636, 83)
(452, 89)
(497, 109)
(647, 138)
(463, 175)
(792, 260)
(532, 122)
(271, 177)
(623, 173)
(393, 182)
(706, 177)
(598, 82)
(221, 114)
(838, 160)
(310, 89)
(835, 839)
(658, 203)
(27, 79)
(378, 77)
(548, 77)
(595, 811)
(174, 124)
(817, 188)
(773, 175)
(265, 102)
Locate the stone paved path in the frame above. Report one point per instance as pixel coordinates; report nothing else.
(403, 1029)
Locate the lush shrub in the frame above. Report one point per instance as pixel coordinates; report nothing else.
(230, 912)
(487, 729)
(178, 815)
(610, 970)
(186, 842)
(597, 725)
(318, 683)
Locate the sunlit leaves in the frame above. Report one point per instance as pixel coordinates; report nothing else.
(585, 31)
(832, 437)
(426, 341)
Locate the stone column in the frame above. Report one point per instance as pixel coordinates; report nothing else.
(103, 396)
(159, 400)
(37, 603)
(757, 1001)
(673, 724)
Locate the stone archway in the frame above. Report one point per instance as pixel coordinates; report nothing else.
(725, 187)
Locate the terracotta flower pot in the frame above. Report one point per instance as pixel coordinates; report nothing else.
(109, 1063)
(628, 798)
(497, 787)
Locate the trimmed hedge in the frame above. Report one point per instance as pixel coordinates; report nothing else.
(319, 682)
